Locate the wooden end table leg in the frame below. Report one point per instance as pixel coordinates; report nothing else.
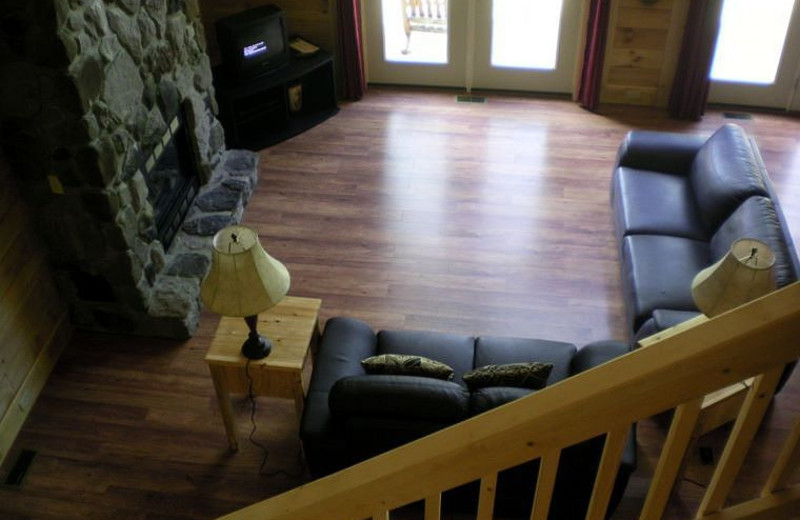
(225, 407)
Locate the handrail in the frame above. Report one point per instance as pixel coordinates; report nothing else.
(676, 371)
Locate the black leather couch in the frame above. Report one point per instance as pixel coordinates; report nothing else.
(679, 201)
(350, 416)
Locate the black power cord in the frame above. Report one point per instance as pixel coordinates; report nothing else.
(252, 398)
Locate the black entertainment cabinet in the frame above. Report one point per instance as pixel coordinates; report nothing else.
(264, 110)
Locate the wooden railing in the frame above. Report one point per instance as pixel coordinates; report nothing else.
(423, 16)
(676, 372)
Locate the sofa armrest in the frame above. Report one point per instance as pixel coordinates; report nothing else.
(411, 397)
(344, 343)
(597, 353)
(659, 151)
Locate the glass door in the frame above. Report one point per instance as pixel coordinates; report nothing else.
(755, 62)
(492, 44)
(415, 42)
(525, 45)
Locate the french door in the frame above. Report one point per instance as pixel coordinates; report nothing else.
(756, 61)
(491, 44)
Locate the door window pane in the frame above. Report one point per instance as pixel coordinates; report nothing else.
(525, 33)
(750, 42)
(415, 31)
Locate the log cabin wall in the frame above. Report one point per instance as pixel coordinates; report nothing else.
(33, 321)
(314, 20)
(644, 41)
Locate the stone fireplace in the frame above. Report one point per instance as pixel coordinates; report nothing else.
(107, 115)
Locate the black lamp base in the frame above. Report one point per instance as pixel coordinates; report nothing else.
(256, 346)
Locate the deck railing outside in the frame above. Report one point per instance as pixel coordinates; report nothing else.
(675, 372)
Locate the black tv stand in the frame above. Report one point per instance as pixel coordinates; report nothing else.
(267, 109)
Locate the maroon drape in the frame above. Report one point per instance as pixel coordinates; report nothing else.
(691, 84)
(593, 53)
(354, 82)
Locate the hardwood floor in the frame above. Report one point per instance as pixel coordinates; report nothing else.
(407, 210)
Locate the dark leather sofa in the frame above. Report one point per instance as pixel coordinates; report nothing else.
(679, 201)
(350, 416)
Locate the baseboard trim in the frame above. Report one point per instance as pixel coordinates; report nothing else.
(11, 423)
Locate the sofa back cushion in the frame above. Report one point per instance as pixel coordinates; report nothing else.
(454, 350)
(393, 396)
(725, 172)
(757, 218)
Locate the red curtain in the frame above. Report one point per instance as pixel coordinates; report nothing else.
(593, 53)
(691, 84)
(352, 51)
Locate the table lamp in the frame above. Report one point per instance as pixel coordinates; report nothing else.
(743, 274)
(243, 281)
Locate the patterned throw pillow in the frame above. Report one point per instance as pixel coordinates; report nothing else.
(407, 365)
(526, 375)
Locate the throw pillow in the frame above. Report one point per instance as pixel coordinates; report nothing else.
(526, 375)
(407, 365)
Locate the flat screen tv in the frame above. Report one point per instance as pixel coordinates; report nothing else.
(253, 42)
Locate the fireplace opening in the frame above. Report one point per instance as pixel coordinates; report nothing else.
(172, 179)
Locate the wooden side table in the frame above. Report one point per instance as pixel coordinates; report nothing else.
(292, 326)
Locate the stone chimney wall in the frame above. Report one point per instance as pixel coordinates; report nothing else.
(88, 89)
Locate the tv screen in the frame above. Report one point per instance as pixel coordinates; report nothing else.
(253, 42)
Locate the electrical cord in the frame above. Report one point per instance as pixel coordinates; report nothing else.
(252, 398)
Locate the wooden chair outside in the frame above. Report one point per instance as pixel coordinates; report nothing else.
(676, 372)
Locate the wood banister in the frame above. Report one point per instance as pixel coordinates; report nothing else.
(676, 369)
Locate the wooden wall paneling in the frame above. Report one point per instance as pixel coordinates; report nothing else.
(640, 46)
(33, 321)
(672, 50)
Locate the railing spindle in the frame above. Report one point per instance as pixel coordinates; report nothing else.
(433, 507)
(548, 466)
(486, 498)
(684, 423)
(787, 463)
(607, 472)
(755, 405)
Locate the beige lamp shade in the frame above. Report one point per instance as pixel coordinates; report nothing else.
(243, 279)
(744, 274)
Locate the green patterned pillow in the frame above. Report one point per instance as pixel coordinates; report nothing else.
(526, 375)
(407, 365)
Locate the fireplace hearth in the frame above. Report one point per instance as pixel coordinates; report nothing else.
(108, 118)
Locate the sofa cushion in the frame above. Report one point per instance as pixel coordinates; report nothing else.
(405, 365)
(531, 375)
(756, 218)
(655, 203)
(657, 273)
(492, 350)
(484, 399)
(725, 172)
(659, 151)
(452, 349)
(395, 396)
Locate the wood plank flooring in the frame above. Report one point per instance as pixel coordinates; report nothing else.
(407, 210)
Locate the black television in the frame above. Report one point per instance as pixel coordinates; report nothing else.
(253, 42)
